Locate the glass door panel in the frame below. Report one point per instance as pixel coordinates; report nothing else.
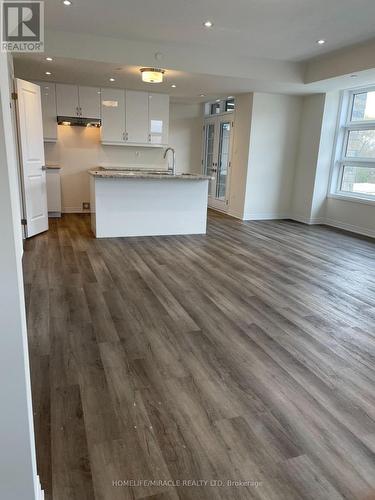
(223, 160)
(209, 160)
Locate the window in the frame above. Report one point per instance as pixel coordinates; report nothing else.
(219, 107)
(354, 170)
(229, 105)
(215, 108)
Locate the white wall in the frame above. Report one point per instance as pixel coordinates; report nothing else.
(307, 157)
(18, 477)
(273, 149)
(185, 136)
(78, 149)
(325, 155)
(314, 162)
(240, 155)
(351, 215)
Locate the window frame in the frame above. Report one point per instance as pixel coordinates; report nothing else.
(344, 127)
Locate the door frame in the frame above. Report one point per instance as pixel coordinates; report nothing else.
(213, 201)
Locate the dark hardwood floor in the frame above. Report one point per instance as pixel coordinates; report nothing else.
(244, 355)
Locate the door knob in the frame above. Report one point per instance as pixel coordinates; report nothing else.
(44, 167)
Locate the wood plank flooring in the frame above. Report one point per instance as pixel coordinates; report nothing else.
(181, 363)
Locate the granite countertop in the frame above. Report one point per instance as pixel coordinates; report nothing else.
(133, 174)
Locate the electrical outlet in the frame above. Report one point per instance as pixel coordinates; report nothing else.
(85, 205)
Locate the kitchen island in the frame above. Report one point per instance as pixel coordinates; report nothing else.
(141, 203)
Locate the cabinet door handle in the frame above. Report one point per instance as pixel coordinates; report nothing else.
(123, 136)
(149, 137)
(126, 136)
(77, 110)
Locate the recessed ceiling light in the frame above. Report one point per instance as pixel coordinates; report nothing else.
(217, 100)
(202, 95)
(173, 86)
(112, 79)
(208, 24)
(67, 2)
(48, 73)
(321, 42)
(49, 59)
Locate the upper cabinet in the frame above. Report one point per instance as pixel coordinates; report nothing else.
(89, 102)
(158, 112)
(113, 116)
(77, 101)
(128, 117)
(67, 100)
(134, 118)
(48, 98)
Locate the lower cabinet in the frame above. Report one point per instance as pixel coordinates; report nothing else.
(53, 191)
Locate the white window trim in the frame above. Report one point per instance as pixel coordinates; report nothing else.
(344, 126)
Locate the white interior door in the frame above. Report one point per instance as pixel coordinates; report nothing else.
(30, 128)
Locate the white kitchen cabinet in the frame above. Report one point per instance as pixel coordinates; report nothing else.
(89, 102)
(48, 98)
(53, 191)
(158, 112)
(77, 101)
(113, 116)
(136, 117)
(67, 100)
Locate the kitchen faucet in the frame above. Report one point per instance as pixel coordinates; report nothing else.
(173, 170)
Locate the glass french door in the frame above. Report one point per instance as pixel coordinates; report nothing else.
(216, 160)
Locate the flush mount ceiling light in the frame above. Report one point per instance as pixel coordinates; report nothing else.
(152, 75)
(208, 24)
(321, 42)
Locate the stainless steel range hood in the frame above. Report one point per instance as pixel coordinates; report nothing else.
(79, 121)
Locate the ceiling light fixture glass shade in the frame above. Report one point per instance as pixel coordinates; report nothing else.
(152, 75)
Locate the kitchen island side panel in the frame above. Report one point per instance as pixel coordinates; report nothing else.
(149, 207)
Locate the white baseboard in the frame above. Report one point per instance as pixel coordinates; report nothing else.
(234, 214)
(265, 216)
(74, 210)
(40, 492)
(350, 227)
(306, 220)
(274, 216)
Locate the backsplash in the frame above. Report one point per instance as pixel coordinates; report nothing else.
(79, 149)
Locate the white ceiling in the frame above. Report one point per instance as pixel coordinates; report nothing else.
(189, 86)
(274, 29)
(254, 45)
